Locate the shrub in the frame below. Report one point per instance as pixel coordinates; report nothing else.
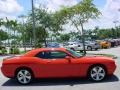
(38, 45)
(14, 50)
(4, 51)
(0, 52)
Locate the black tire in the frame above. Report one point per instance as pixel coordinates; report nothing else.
(96, 49)
(72, 49)
(24, 76)
(97, 76)
(89, 48)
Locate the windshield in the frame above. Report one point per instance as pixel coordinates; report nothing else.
(74, 53)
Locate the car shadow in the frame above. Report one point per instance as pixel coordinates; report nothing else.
(55, 82)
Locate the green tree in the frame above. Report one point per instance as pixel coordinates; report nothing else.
(64, 37)
(47, 22)
(3, 35)
(74, 35)
(80, 14)
(10, 27)
(1, 22)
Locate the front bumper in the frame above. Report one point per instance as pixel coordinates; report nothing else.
(111, 68)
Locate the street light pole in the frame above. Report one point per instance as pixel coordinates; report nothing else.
(115, 22)
(83, 39)
(33, 26)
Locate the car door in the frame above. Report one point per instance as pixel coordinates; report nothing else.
(54, 64)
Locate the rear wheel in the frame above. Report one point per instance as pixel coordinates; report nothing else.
(97, 73)
(96, 48)
(24, 76)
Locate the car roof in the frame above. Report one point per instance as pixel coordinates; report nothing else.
(35, 51)
(43, 49)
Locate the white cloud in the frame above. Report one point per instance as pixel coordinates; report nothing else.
(54, 5)
(9, 8)
(57, 3)
(110, 13)
(113, 4)
(112, 7)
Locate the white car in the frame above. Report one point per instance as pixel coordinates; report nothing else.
(74, 46)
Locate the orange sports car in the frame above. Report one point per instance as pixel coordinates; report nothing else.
(56, 63)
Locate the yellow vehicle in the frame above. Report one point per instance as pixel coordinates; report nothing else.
(104, 44)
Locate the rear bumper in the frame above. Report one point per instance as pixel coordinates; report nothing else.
(7, 72)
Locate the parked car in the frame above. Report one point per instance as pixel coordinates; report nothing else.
(119, 41)
(53, 45)
(112, 42)
(92, 45)
(104, 43)
(116, 42)
(56, 63)
(74, 46)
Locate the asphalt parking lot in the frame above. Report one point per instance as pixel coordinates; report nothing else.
(112, 83)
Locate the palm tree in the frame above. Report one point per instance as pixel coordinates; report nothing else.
(7, 25)
(1, 23)
(14, 27)
(23, 32)
(11, 26)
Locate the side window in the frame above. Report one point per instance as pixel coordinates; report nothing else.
(58, 54)
(51, 55)
(44, 55)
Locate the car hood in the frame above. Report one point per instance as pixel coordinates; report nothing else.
(98, 58)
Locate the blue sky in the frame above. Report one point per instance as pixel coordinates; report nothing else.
(100, 3)
(27, 4)
(109, 9)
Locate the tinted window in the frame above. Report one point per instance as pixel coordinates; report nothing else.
(74, 53)
(44, 55)
(51, 55)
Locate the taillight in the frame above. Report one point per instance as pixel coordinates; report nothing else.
(4, 59)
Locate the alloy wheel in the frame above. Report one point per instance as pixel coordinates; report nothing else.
(97, 73)
(24, 76)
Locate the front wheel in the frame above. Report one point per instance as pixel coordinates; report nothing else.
(96, 49)
(72, 49)
(24, 76)
(97, 73)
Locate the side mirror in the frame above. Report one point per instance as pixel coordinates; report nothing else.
(68, 58)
